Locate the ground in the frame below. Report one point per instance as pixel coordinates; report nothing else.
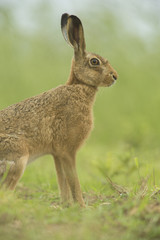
(120, 191)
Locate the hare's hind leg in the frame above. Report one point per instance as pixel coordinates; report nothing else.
(2, 168)
(13, 156)
(64, 188)
(15, 172)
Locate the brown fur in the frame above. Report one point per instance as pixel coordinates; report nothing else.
(56, 122)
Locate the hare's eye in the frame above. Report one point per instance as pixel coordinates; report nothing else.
(94, 61)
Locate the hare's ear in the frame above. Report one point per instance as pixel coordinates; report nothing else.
(64, 20)
(72, 30)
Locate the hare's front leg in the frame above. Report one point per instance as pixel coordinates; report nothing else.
(64, 188)
(69, 166)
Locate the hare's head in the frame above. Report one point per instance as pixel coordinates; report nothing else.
(88, 68)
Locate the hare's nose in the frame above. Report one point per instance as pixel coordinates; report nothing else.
(114, 76)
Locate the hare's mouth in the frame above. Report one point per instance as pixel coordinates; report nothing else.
(108, 82)
(111, 83)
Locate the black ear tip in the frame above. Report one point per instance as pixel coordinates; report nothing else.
(75, 19)
(64, 18)
(64, 15)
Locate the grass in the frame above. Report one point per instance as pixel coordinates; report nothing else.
(120, 164)
(121, 194)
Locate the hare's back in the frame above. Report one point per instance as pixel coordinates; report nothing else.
(64, 103)
(29, 111)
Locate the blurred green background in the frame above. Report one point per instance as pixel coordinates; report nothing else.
(34, 58)
(124, 144)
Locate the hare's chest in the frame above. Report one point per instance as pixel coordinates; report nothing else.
(80, 126)
(73, 126)
(81, 117)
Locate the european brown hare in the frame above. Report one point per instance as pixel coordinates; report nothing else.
(55, 122)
